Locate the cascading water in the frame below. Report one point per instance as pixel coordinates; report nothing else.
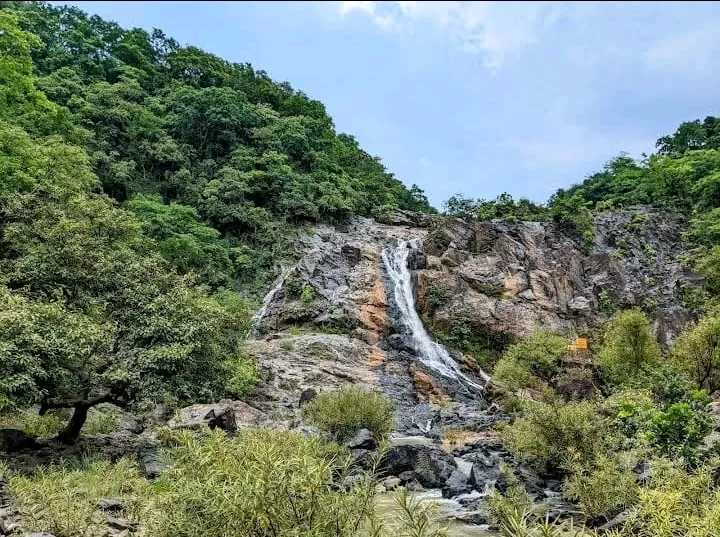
(267, 300)
(428, 351)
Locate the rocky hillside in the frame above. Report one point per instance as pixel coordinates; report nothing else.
(333, 322)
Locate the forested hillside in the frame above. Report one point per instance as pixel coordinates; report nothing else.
(148, 195)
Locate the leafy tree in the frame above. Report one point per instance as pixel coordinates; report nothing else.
(697, 351)
(629, 348)
(532, 362)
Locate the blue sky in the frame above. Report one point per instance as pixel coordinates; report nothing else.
(473, 97)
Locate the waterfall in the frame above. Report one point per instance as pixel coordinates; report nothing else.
(428, 351)
(267, 300)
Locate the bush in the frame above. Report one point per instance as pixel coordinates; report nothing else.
(605, 487)
(532, 362)
(697, 352)
(629, 349)
(261, 483)
(548, 431)
(63, 500)
(293, 287)
(678, 430)
(243, 376)
(344, 412)
(307, 295)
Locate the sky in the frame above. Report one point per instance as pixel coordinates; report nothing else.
(477, 98)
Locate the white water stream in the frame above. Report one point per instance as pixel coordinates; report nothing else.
(428, 351)
(267, 300)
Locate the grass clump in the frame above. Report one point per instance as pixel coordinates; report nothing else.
(261, 483)
(33, 424)
(344, 412)
(64, 500)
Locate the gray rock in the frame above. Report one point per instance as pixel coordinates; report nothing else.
(391, 483)
(150, 464)
(110, 505)
(306, 396)
(39, 534)
(456, 484)
(431, 466)
(364, 439)
(362, 458)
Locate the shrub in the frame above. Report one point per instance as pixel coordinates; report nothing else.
(63, 500)
(629, 349)
(293, 287)
(287, 345)
(532, 362)
(603, 488)
(437, 296)
(344, 412)
(697, 352)
(261, 483)
(515, 501)
(639, 221)
(678, 430)
(243, 376)
(308, 294)
(547, 431)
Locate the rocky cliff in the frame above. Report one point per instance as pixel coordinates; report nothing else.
(333, 320)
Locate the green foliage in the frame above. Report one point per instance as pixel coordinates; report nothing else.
(293, 287)
(548, 431)
(308, 294)
(678, 430)
(605, 303)
(437, 296)
(603, 488)
(697, 352)
(104, 420)
(344, 412)
(515, 500)
(33, 424)
(629, 348)
(263, 483)
(532, 362)
(415, 517)
(243, 376)
(63, 500)
(639, 222)
(502, 207)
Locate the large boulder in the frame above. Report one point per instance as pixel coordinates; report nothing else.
(430, 466)
(456, 484)
(364, 439)
(226, 415)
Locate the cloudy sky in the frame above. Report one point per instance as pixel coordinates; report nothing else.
(473, 97)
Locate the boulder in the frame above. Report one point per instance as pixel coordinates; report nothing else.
(364, 439)
(430, 466)
(110, 506)
(391, 483)
(362, 458)
(12, 440)
(306, 396)
(456, 484)
(226, 415)
(150, 464)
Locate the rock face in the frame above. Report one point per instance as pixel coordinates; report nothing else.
(430, 466)
(511, 279)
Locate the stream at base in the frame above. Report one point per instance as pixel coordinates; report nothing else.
(446, 511)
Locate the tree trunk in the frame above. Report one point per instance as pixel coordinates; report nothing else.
(72, 430)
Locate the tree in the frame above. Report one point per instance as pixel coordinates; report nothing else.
(697, 351)
(629, 348)
(532, 362)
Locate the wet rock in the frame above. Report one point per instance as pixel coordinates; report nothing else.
(399, 342)
(391, 483)
(417, 260)
(364, 439)
(306, 396)
(12, 440)
(456, 484)
(431, 466)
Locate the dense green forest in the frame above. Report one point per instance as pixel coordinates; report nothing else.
(145, 190)
(142, 183)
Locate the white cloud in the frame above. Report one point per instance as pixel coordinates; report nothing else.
(494, 30)
(693, 51)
